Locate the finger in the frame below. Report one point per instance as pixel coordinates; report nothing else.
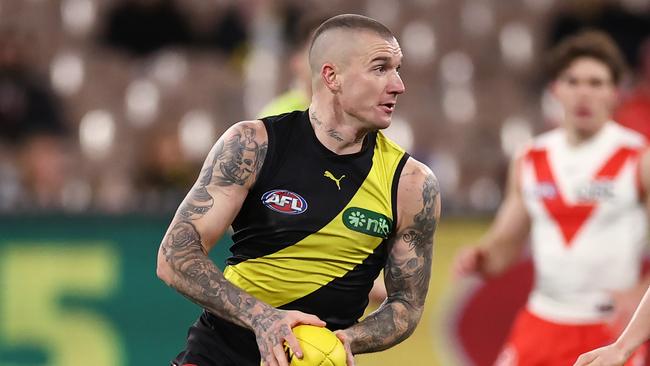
(293, 344)
(349, 357)
(585, 359)
(348, 352)
(280, 356)
(313, 320)
(304, 318)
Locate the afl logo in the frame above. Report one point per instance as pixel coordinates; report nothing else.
(284, 201)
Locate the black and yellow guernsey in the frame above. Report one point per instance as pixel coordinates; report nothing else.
(312, 233)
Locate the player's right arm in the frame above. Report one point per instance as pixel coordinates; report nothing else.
(228, 173)
(617, 353)
(500, 247)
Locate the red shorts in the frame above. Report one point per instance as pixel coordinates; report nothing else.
(537, 342)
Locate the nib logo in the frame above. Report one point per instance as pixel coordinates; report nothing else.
(367, 222)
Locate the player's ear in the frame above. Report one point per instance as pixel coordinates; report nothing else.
(329, 74)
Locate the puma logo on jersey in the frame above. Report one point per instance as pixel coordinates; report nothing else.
(331, 176)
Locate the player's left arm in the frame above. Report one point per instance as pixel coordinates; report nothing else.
(408, 267)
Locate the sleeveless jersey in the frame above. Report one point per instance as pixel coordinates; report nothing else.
(588, 223)
(312, 232)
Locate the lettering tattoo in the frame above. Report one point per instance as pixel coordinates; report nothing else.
(315, 119)
(334, 134)
(407, 280)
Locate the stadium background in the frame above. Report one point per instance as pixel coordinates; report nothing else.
(107, 109)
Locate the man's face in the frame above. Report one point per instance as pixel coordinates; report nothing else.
(587, 93)
(370, 80)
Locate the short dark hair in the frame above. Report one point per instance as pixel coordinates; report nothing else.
(352, 22)
(589, 43)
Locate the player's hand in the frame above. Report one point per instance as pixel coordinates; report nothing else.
(610, 355)
(273, 329)
(624, 304)
(468, 261)
(345, 339)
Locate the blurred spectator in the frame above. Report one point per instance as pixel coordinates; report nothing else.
(45, 171)
(228, 32)
(164, 174)
(627, 28)
(31, 128)
(27, 107)
(140, 27)
(634, 111)
(298, 97)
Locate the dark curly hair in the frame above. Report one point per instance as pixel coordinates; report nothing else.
(592, 44)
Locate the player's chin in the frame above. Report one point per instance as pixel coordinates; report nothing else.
(382, 120)
(589, 125)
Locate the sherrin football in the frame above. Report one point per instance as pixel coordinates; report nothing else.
(320, 347)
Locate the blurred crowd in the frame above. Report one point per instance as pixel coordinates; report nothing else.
(111, 106)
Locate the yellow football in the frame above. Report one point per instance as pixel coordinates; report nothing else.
(320, 347)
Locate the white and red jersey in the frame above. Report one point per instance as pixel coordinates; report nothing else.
(588, 221)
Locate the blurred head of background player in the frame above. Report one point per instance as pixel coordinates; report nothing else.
(586, 71)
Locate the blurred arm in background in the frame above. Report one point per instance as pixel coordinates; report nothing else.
(615, 354)
(502, 245)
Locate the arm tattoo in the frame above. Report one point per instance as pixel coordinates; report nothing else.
(195, 276)
(407, 281)
(198, 279)
(239, 158)
(200, 201)
(234, 162)
(419, 236)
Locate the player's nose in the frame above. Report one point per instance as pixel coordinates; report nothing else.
(396, 85)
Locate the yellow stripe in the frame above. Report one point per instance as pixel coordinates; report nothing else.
(293, 272)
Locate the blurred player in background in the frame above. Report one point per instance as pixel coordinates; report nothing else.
(320, 201)
(579, 192)
(616, 354)
(299, 94)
